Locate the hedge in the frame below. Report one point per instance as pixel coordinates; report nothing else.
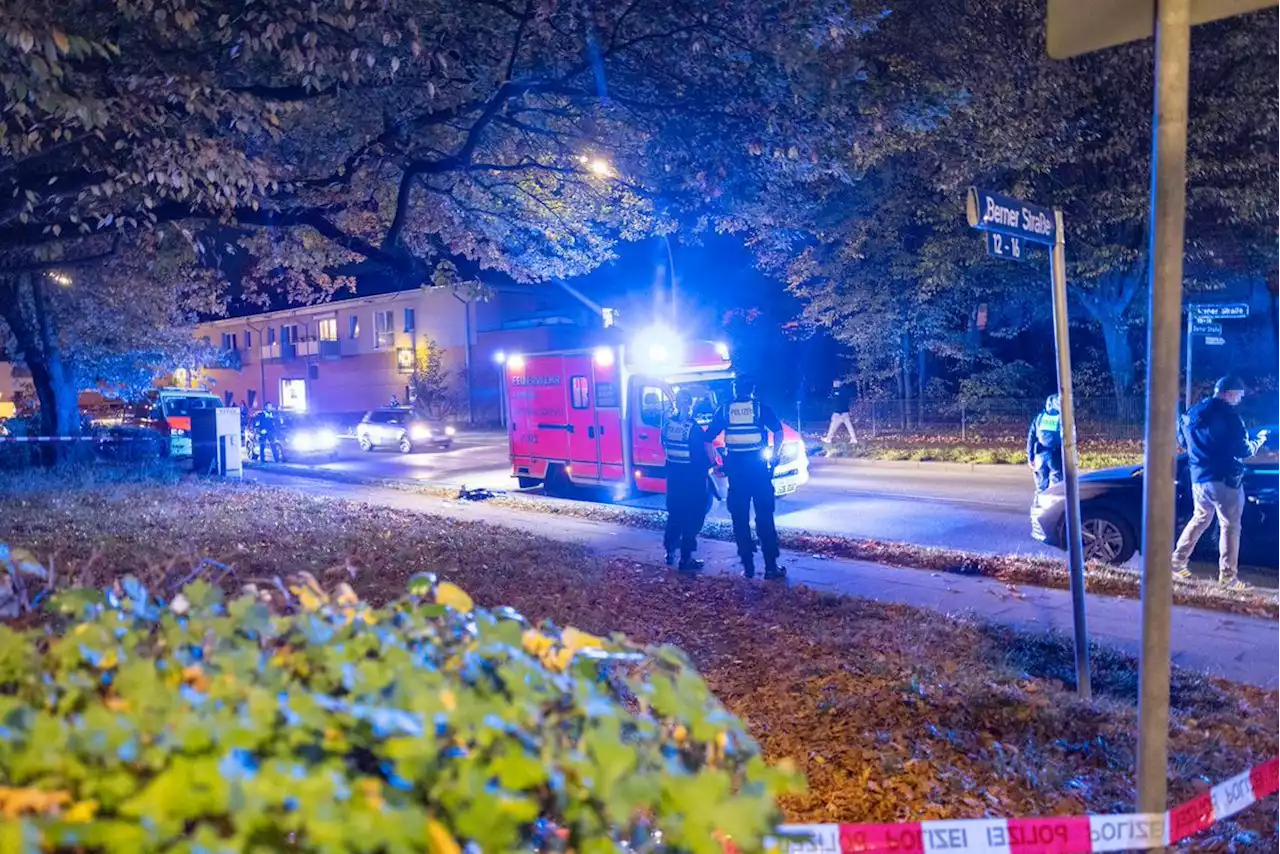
(307, 720)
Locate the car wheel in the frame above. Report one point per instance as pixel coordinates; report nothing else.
(1108, 537)
(363, 441)
(405, 446)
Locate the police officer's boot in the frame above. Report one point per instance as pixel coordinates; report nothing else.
(690, 564)
(672, 557)
(749, 566)
(773, 572)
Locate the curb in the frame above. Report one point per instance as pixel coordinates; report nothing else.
(984, 469)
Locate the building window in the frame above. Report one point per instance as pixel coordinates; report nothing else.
(289, 333)
(271, 335)
(229, 341)
(293, 395)
(248, 339)
(384, 331)
(404, 360)
(328, 329)
(409, 320)
(355, 327)
(581, 397)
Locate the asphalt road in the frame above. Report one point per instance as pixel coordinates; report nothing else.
(977, 512)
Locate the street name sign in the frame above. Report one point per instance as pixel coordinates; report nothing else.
(1004, 246)
(1215, 341)
(1223, 311)
(1198, 328)
(1081, 26)
(993, 212)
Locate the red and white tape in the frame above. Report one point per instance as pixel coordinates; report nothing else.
(1058, 835)
(73, 438)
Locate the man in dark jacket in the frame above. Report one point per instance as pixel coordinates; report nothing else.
(1044, 445)
(1216, 443)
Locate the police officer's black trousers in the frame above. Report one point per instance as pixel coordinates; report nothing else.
(686, 507)
(751, 482)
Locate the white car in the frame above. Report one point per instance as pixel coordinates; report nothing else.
(402, 429)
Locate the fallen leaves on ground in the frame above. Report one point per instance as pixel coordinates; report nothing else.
(893, 714)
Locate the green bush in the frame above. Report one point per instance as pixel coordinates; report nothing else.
(313, 722)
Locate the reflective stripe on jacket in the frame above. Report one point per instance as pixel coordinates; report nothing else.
(744, 430)
(675, 439)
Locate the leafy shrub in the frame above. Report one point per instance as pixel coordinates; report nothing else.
(313, 722)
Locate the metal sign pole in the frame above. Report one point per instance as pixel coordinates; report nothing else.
(1168, 215)
(1075, 540)
(1186, 395)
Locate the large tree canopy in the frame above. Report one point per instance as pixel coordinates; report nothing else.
(420, 139)
(959, 93)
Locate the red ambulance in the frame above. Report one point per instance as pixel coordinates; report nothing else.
(593, 417)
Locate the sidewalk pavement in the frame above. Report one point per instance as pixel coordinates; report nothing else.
(984, 469)
(1238, 648)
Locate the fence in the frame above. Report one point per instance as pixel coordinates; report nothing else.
(1105, 418)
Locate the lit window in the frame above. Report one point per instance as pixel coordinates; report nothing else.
(384, 335)
(328, 329)
(581, 395)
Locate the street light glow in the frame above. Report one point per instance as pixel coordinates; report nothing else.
(61, 279)
(600, 167)
(500, 357)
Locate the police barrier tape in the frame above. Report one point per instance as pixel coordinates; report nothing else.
(1059, 835)
(98, 439)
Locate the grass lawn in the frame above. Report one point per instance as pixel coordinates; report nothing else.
(993, 450)
(893, 714)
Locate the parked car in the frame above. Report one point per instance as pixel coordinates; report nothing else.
(1111, 511)
(300, 438)
(401, 428)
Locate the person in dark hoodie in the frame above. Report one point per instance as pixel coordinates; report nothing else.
(1217, 443)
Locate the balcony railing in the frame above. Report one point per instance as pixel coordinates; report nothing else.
(330, 349)
(278, 350)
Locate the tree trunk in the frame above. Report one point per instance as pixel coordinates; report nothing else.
(24, 307)
(905, 361)
(921, 379)
(1107, 303)
(1115, 336)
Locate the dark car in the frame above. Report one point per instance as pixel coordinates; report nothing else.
(401, 428)
(301, 438)
(1111, 511)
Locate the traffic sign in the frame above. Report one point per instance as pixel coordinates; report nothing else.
(993, 212)
(1215, 341)
(1220, 311)
(1004, 246)
(1198, 328)
(1080, 26)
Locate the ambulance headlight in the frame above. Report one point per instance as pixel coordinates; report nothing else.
(419, 432)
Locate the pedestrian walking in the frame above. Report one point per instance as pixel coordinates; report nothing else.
(749, 461)
(1217, 443)
(842, 397)
(1044, 444)
(688, 459)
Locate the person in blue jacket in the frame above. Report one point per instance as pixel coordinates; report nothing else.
(1217, 444)
(1044, 444)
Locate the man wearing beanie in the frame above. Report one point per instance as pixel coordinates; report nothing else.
(1217, 443)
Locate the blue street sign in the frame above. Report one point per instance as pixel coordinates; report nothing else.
(1220, 311)
(1004, 246)
(1215, 340)
(992, 212)
(1198, 328)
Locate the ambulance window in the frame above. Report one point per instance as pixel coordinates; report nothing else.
(652, 405)
(581, 398)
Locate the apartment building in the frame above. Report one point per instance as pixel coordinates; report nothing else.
(355, 353)
(338, 357)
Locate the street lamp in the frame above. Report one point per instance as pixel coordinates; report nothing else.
(500, 359)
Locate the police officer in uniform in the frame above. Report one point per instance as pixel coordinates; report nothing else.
(686, 444)
(1044, 445)
(745, 422)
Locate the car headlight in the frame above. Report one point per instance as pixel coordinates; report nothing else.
(767, 453)
(419, 431)
(449, 431)
(790, 451)
(326, 439)
(303, 441)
